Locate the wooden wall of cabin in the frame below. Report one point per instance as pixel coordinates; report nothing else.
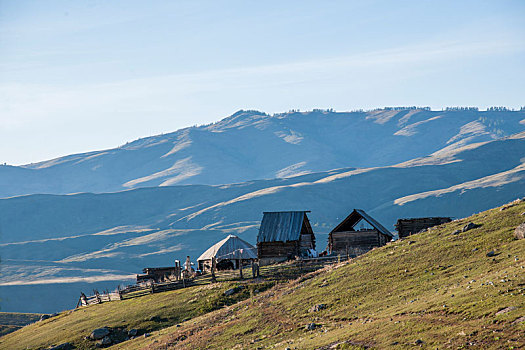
(407, 227)
(355, 242)
(383, 239)
(159, 274)
(305, 243)
(277, 249)
(306, 238)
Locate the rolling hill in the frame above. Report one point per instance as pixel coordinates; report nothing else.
(79, 242)
(252, 145)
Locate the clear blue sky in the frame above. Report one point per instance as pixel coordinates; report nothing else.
(85, 75)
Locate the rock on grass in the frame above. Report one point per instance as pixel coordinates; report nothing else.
(519, 232)
(99, 333)
(104, 342)
(317, 308)
(505, 310)
(470, 226)
(311, 326)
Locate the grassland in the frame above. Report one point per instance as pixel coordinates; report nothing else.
(436, 289)
(11, 321)
(146, 314)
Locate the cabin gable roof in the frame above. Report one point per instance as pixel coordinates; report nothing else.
(358, 215)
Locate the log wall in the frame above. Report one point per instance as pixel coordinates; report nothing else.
(407, 227)
(306, 243)
(355, 242)
(277, 249)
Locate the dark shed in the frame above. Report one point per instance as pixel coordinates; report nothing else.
(284, 235)
(158, 274)
(407, 227)
(346, 240)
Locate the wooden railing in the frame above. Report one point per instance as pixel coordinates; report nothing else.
(288, 270)
(98, 298)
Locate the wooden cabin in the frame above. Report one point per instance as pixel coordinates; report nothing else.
(229, 253)
(160, 274)
(407, 227)
(285, 235)
(347, 239)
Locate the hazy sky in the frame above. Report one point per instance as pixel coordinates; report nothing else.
(85, 75)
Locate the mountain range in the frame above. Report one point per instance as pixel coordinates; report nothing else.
(391, 163)
(252, 145)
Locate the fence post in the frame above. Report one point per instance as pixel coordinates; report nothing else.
(177, 270)
(213, 265)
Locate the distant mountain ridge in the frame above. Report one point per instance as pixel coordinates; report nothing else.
(251, 145)
(62, 242)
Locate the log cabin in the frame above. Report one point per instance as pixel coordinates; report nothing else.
(346, 240)
(285, 235)
(407, 227)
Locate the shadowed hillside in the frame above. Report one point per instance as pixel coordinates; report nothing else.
(11, 321)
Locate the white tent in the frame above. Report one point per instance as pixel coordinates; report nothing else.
(230, 248)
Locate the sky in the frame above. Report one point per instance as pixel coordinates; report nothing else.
(77, 76)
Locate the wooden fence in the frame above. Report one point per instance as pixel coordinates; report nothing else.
(98, 298)
(288, 270)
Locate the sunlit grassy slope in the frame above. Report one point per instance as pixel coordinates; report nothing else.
(146, 314)
(435, 289)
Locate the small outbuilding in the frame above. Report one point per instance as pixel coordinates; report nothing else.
(348, 240)
(407, 227)
(159, 274)
(229, 253)
(284, 235)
